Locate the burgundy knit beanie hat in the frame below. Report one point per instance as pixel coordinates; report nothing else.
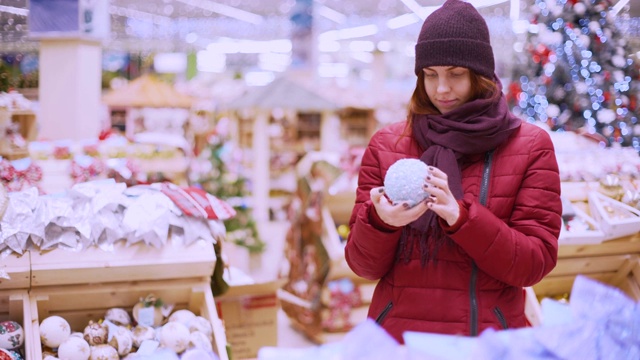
(455, 35)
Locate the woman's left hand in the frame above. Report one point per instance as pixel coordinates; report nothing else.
(443, 203)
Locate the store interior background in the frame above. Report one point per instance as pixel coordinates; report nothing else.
(348, 59)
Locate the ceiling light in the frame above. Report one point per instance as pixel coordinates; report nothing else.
(14, 10)
(328, 46)
(414, 7)
(330, 14)
(365, 57)
(234, 46)
(225, 10)
(349, 33)
(362, 46)
(423, 11)
(402, 21)
(485, 3)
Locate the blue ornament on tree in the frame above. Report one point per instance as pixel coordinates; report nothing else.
(404, 181)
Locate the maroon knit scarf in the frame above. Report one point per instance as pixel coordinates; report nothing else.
(474, 128)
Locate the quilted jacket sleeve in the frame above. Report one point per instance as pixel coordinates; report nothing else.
(371, 245)
(522, 250)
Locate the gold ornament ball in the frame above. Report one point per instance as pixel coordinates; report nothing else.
(343, 231)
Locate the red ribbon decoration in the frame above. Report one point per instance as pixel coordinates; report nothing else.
(81, 173)
(17, 180)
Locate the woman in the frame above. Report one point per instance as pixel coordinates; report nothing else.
(457, 262)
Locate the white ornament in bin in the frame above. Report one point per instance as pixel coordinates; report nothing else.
(198, 354)
(104, 352)
(183, 316)
(616, 219)
(121, 340)
(583, 229)
(74, 348)
(118, 316)
(199, 340)
(202, 325)
(404, 181)
(96, 334)
(54, 330)
(141, 333)
(174, 336)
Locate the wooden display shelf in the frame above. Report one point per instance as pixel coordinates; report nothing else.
(78, 304)
(614, 262)
(620, 246)
(18, 268)
(26, 120)
(14, 306)
(125, 263)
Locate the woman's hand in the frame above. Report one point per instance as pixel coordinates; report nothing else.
(443, 203)
(395, 215)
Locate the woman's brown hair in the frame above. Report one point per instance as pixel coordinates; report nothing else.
(481, 87)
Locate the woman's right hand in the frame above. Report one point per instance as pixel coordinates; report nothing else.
(397, 215)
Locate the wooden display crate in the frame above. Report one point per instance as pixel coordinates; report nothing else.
(592, 235)
(613, 262)
(26, 120)
(79, 304)
(14, 305)
(578, 190)
(125, 263)
(612, 226)
(17, 267)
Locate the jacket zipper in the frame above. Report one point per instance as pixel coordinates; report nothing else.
(384, 313)
(500, 317)
(485, 178)
(474, 268)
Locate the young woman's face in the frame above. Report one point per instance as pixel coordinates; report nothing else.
(448, 87)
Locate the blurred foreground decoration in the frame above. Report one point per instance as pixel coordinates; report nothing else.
(600, 322)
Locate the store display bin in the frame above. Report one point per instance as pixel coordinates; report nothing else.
(79, 304)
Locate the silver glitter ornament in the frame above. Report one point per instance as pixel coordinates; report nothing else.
(404, 181)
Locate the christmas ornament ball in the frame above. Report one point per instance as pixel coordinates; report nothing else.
(404, 181)
(343, 231)
(11, 335)
(74, 348)
(54, 330)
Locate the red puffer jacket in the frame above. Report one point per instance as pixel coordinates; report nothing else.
(477, 283)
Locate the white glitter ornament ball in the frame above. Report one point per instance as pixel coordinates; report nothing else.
(405, 180)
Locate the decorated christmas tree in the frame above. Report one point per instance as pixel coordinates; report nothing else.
(220, 175)
(575, 72)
